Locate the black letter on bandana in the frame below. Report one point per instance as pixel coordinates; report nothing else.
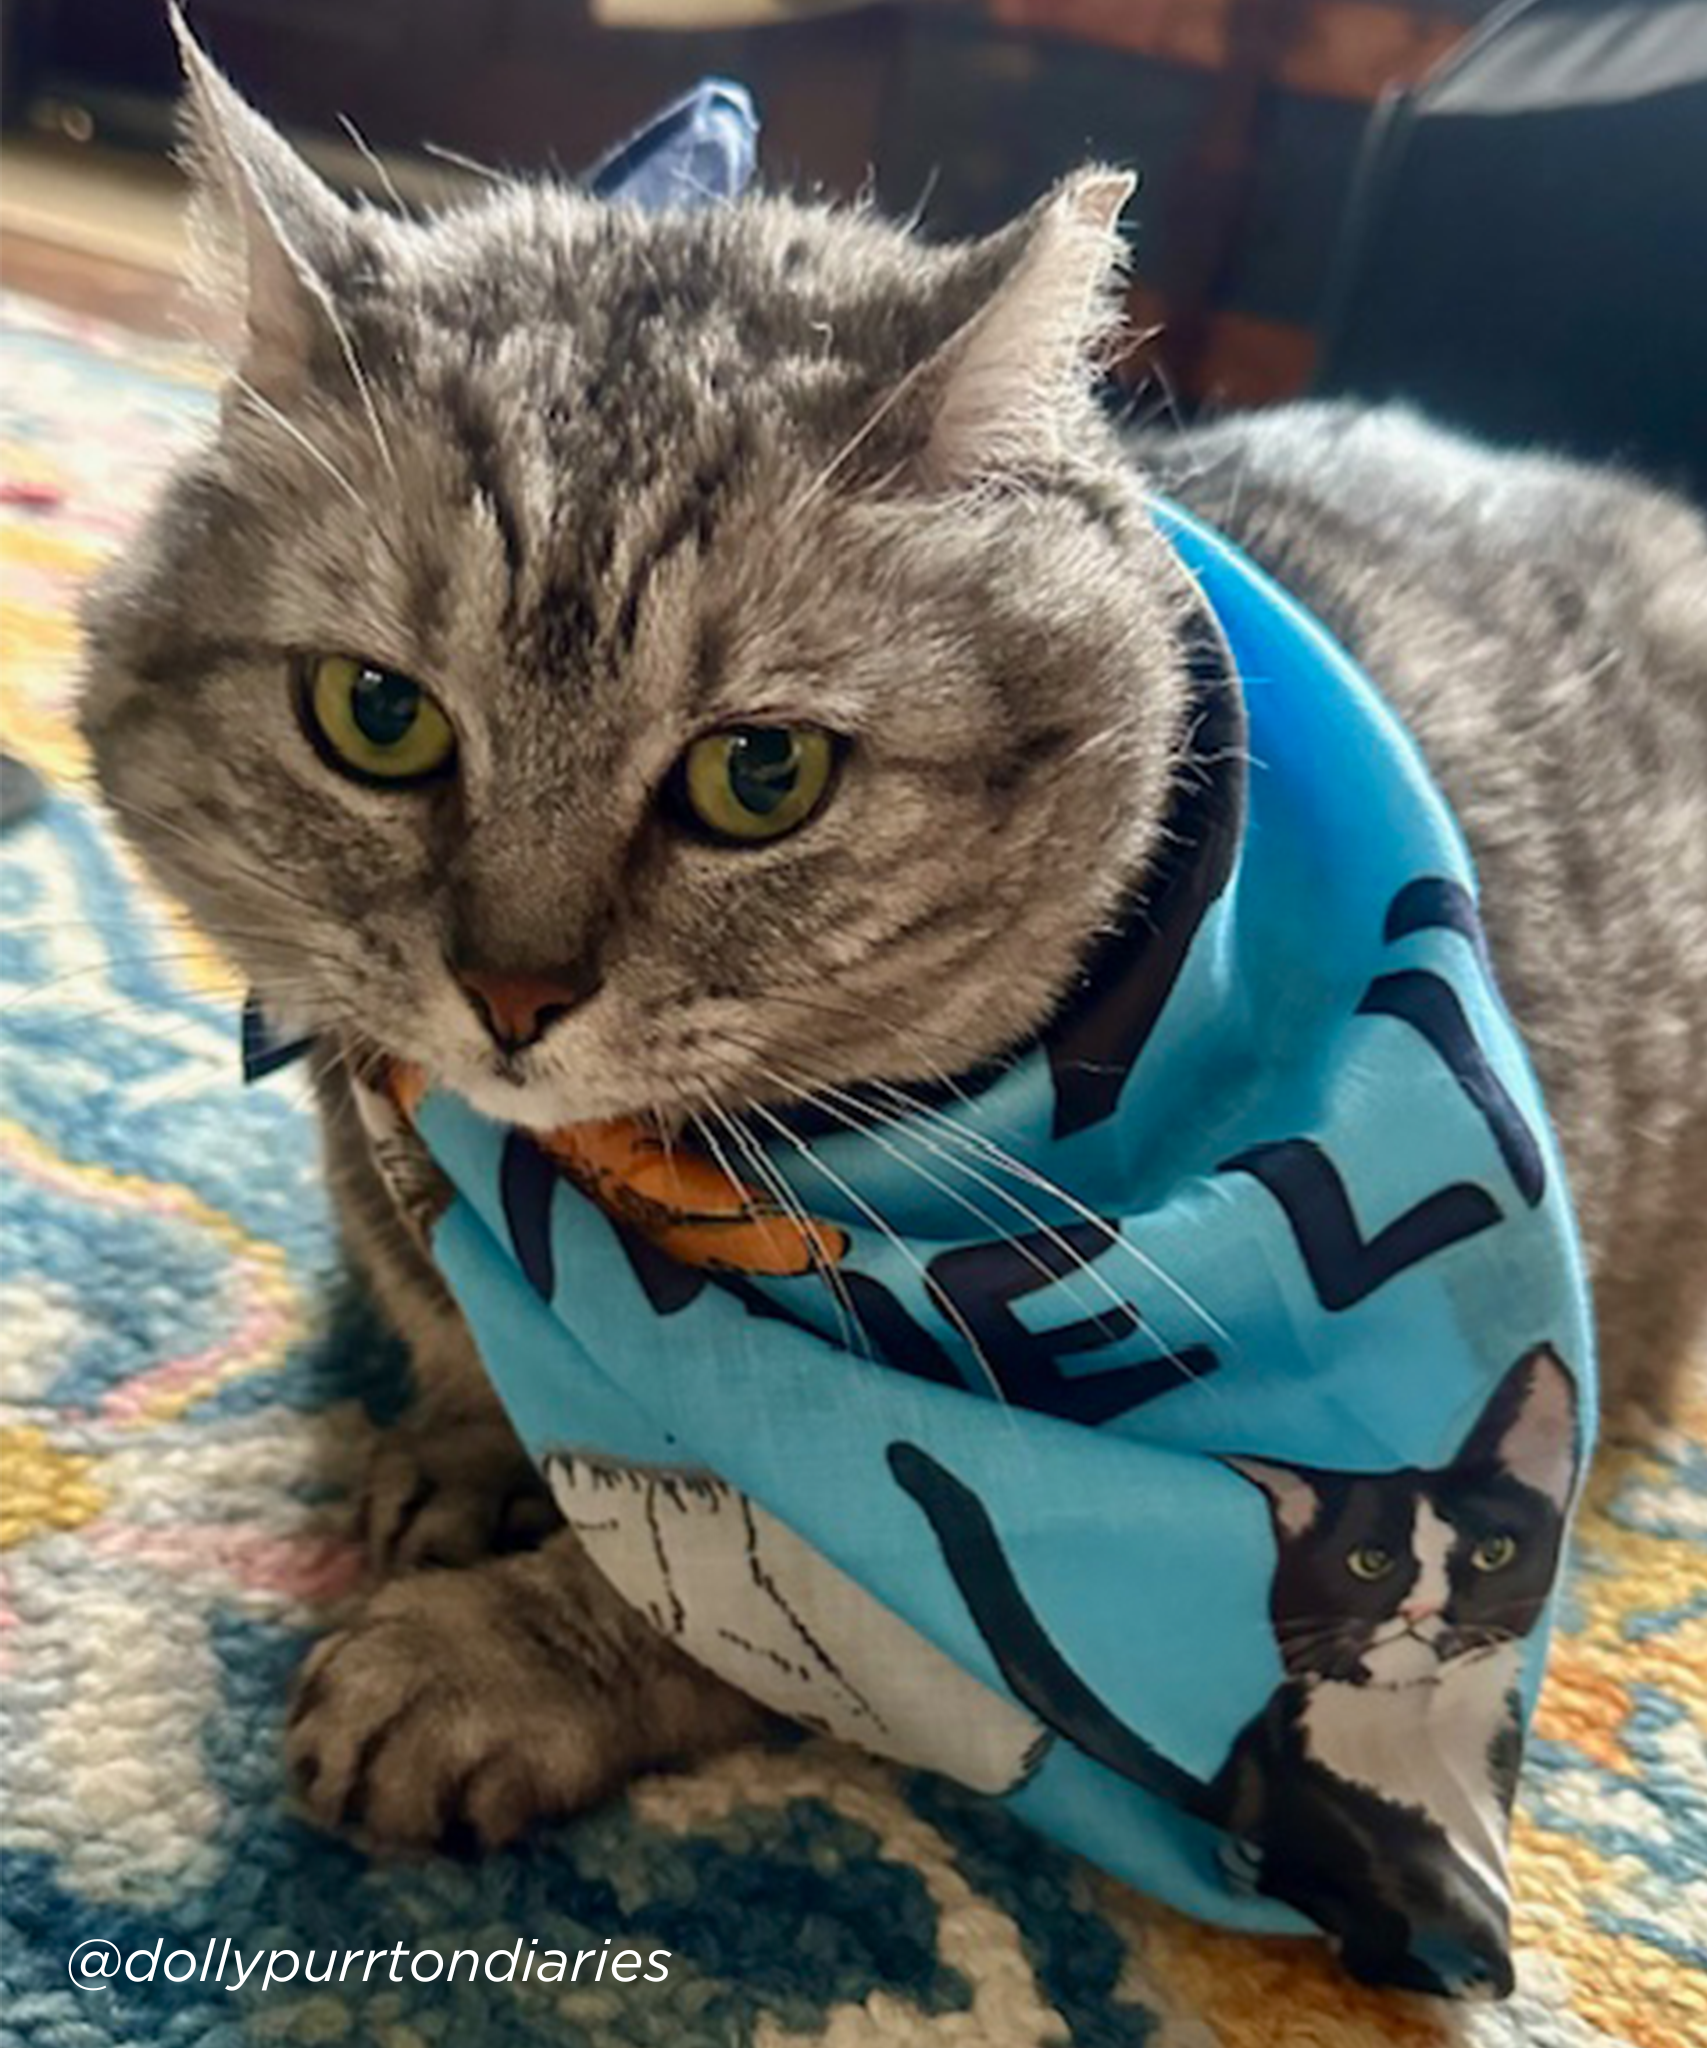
(1345, 1266)
(897, 1339)
(975, 1287)
(667, 1283)
(527, 1183)
(1094, 1045)
(882, 1328)
(1431, 1007)
(1434, 903)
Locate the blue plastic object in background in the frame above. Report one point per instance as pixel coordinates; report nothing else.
(700, 151)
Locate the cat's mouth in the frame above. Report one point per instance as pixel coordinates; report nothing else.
(516, 1088)
(1406, 1657)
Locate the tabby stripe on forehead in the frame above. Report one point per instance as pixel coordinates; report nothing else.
(485, 472)
(568, 626)
(694, 518)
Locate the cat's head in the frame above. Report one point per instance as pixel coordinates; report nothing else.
(616, 662)
(1384, 1578)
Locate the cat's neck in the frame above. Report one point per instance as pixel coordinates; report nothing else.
(1407, 1745)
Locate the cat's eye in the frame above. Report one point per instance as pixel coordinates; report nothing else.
(1369, 1562)
(1493, 1553)
(752, 783)
(374, 725)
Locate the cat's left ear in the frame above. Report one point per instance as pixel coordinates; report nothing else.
(1530, 1428)
(1002, 392)
(1294, 1502)
(265, 230)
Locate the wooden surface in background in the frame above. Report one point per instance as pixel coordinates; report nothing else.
(1344, 49)
(1237, 218)
(126, 293)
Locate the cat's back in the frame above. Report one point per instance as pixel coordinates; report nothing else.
(1541, 627)
(1414, 545)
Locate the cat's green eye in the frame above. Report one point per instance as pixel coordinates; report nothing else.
(753, 783)
(1493, 1553)
(1369, 1562)
(373, 724)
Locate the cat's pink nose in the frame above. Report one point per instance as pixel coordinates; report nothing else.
(1418, 1610)
(518, 1009)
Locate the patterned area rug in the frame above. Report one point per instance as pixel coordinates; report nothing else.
(186, 1404)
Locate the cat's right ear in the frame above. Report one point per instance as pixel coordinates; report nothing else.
(1292, 1500)
(264, 230)
(1530, 1427)
(1002, 394)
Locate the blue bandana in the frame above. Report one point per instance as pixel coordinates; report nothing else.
(1171, 1430)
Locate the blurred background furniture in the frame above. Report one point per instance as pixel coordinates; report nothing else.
(1520, 243)
(1244, 116)
(1526, 249)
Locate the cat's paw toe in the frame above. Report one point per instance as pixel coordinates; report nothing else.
(412, 1730)
(451, 1497)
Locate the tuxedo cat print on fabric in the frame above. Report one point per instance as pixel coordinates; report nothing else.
(1373, 1788)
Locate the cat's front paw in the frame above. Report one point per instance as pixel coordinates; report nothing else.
(423, 1725)
(451, 1495)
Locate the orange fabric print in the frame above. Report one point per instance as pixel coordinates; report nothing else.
(683, 1202)
(688, 1206)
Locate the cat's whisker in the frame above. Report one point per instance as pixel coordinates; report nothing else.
(29, 928)
(1078, 1266)
(205, 1064)
(472, 165)
(897, 392)
(224, 988)
(230, 865)
(772, 1183)
(210, 1071)
(1004, 1161)
(966, 1057)
(269, 411)
(1164, 401)
(359, 377)
(965, 1054)
(854, 1115)
(881, 1224)
(1112, 739)
(1319, 1620)
(1307, 1645)
(908, 1109)
(1498, 1629)
(1311, 1627)
(154, 1024)
(370, 157)
(914, 218)
(51, 983)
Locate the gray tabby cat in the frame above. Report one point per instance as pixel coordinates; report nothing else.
(606, 484)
